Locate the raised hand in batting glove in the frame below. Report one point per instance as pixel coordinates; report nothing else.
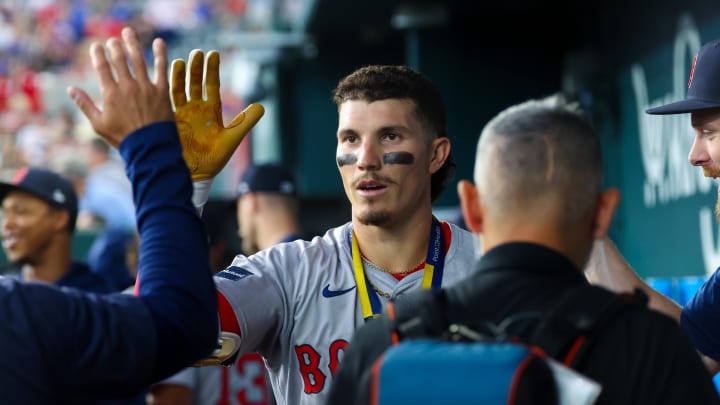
(207, 144)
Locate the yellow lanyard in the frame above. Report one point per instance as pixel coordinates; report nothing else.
(432, 274)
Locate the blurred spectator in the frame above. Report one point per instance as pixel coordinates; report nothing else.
(108, 258)
(33, 142)
(66, 146)
(106, 206)
(105, 193)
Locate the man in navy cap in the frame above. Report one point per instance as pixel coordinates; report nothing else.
(39, 210)
(700, 318)
(267, 207)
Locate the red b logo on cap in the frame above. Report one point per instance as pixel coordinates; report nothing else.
(20, 175)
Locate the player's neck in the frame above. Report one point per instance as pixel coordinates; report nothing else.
(275, 229)
(51, 264)
(47, 270)
(396, 249)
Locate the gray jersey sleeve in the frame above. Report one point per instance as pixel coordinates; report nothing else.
(268, 289)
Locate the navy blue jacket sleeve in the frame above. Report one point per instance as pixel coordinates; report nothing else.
(68, 345)
(63, 343)
(173, 266)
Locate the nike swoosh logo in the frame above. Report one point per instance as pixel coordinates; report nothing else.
(328, 293)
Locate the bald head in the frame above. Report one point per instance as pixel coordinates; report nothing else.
(539, 160)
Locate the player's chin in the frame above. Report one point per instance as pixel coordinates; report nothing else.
(712, 172)
(374, 217)
(15, 258)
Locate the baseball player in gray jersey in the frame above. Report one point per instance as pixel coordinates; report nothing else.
(298, 303)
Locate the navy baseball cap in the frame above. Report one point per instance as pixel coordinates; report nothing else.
(267, 178)
(46, 185)
(703, 85)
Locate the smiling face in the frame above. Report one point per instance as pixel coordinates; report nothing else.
(386, 157)
(28, 226)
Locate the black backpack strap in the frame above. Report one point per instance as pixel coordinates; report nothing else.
(564, 330)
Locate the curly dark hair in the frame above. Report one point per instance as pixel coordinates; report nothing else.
(381, 82)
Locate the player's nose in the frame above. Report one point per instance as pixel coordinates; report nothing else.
(369, 155)
(699, 155)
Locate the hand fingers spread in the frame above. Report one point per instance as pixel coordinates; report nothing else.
(195, 76)
(135, 53)
(177, 85)
(212, 77)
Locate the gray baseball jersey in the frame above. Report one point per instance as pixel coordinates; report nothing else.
(297, 304)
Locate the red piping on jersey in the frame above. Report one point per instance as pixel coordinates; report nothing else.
(574, 350)
(228, 320)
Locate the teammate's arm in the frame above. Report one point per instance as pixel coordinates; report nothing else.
(174, 275)
(607, 267)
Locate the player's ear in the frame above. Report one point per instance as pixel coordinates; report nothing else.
(254, 199)
(607, 202)
(440, 153)
(471, 206)
(60, 218)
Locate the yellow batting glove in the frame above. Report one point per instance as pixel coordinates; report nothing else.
(207, 144)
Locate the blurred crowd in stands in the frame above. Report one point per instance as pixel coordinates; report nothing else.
(43, 49)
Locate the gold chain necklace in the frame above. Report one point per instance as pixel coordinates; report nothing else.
(402, 273)
(379, 291)
(376, 267)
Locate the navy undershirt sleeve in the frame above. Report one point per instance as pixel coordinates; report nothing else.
(173, 264)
